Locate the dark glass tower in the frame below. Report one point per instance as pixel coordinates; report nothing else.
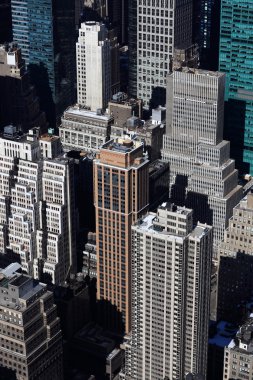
(206, 24)
(5, 21)
(132, 46)
(41, 28)
(235, 59)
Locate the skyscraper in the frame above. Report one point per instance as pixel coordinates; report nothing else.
(112, 12)
(39, 28)
(30, 335)
(93, 66)
(206, 25)
(202, 175)
(120, 197)
(171, 267)
(5, 21)
(236, 55)
(132, 48)
(161, 26)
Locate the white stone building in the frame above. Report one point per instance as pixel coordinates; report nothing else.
(37, 204)
(171, 268)
(93, 55)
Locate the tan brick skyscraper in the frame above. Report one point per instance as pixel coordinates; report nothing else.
(121, 197)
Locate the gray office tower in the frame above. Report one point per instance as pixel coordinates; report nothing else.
(202, 174)
(162, 25)
(171, 266)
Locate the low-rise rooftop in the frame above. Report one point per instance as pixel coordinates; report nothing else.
(77, 111)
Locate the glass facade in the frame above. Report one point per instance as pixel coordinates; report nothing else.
(236, 60)
(45, 31)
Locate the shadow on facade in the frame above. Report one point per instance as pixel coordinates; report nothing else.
(234, 131)
(196, 201)
(39, 78)
(7, 374)
(235, 287)
(178, 190)
(199, 203)
(109, 317)
(158, 98)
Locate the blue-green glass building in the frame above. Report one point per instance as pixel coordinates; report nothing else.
(45, 31)
(236, 60)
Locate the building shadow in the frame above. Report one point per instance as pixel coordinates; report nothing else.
(158, 98)
(39, 78)
(7, 374)
(201, 209)
(109, 317)
(234, 131)
(178, 190)
(196, 201)
(235, 287)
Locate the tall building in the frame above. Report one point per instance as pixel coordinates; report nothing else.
(235, 57)
(94, 66)
(39, 28)
(235, 264)
(206, 26)
(132, 48)
(30, 336)
(55, 238)
(161, 26)
(37, 205)
(171, 268)
(120, 198)
(19, 104)
(202, 175)
(112, 12)
(238, 355)
(5, 21)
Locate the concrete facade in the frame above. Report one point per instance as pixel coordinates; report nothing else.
(30, 335)
(171, 266)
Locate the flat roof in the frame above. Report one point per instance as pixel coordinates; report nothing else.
(47, 137)
(82, 112)
(121, 145)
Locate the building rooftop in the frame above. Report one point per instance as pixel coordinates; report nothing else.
(121, 145)
(224, 333)
(80, 112)
(49, 138)
(122, 98)
(10, 276)
(200, 230)
(205, 73)
(173, 208)
(156, 166)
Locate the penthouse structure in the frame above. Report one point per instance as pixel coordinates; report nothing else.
(171, 266)
(149, 132)
(31, 343)
(120, 198)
